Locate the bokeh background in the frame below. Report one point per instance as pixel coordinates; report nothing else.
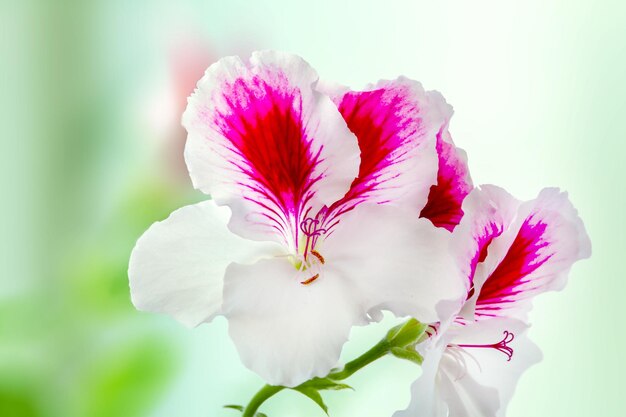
(91, 96)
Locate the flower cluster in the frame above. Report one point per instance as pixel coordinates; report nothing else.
(329, 206)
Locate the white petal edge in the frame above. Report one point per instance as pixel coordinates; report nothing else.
(285, 331)
(495, 371)
(177, 266)
(394, 261)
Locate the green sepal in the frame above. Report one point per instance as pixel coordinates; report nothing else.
(406, 333)
(408, 354)
(314, 395)
(313, 387)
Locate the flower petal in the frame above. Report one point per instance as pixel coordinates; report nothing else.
(445, 199)
(489, 211)
(394, 261)
(177, 266)
(462, 394)
(533, 256)
(464, 376)
(426, 400)
(396, 123)
(285, 331)
(487, 367)
(264, 142)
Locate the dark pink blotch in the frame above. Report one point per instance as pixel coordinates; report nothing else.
(264, 127)
(446, 197)
(387, 124)
(511, 280)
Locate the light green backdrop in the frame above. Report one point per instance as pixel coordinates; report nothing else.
(91, 93)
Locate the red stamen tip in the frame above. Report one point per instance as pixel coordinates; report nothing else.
(318, 256)
(310, 280)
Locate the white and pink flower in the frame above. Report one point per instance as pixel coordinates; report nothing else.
(314, 221)
(329, 206)
(509, 252)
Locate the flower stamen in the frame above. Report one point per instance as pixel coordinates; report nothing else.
(310, 280)
(318, 256)
(501, 346)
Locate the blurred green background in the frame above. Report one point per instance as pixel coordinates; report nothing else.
(92, 93)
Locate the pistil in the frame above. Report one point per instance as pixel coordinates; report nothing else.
(310, 227)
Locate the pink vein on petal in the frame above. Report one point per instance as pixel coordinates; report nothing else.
(264, 127)
(446, 197)
(388, 127)
(510, 279)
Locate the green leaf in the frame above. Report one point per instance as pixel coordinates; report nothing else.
(408, 354)
(241, 408)
(235, 407)
(314, 395)
(325, 384)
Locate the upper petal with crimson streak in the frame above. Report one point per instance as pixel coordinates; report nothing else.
(396, 123)
(534, 255)
(264, 142)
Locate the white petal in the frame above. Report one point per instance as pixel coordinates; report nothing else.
(462, 381)
(462, 394)
(489, 367)
(177, 266)
(426, 400)
(286, 331)
(394, 261)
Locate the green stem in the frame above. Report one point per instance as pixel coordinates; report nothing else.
(375, 353)
(398, 337)
(259, 398)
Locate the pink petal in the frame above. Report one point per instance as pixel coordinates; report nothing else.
(396, 123)
(446, 197)
(263, 142)
(534, 255)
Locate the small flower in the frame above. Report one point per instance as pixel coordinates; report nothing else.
(310, 230)
(509, 252)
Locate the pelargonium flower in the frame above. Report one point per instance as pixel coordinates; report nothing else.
(310, 230)
(509, 252)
